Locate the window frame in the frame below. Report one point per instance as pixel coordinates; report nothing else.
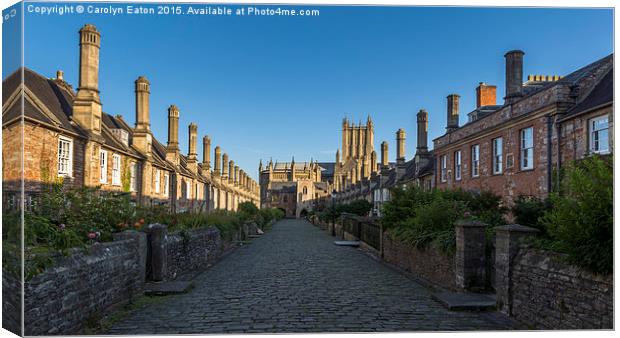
(458, 165)
(103, 166)
(444, 168)
(157, 181)
(69, 159)
(526, 153)
(116, 169)
(591, 134)
(475, 160)
(133, 175)
(166, 184)
(498, 157)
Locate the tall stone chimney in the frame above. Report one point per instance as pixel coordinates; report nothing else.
(87, 105)
(236, 175)
(142, 137)
(373, 162)
(345, 139)
(514, 76)
(206, 152)
(384, 154)
(400, 146)
(453, 112)
(224, 166)
(192, 154)
(231, 171)
(172, 149)
(422, 118)
(60, 75)
(485, 95)
(218, 161)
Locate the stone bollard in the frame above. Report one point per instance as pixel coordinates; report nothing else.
(508, 239)
(470, 269)
(157, 236)
(140, 237)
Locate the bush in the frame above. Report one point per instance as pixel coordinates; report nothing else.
(528, 210)
(581, 221)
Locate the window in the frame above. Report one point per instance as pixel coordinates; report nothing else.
(457, 165)
(116, 169)
(475, 160)
(444, 168)
(166, 183)
(65, 151)
(157, 181)
(197, 191)
(133, 172)
(187, 187)
(599, 135)
(497, 155)
(527, 148)
(103, 166)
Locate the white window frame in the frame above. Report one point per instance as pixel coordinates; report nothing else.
(444, 168)
(594, 135)
(458, 165)
(526, 158)
(187, 189)
(157, 181)
(116, 169)
(166, 184)
(475, 160)
(65, 156)
(197, 191)
(498, 155)
(133, 173)
(103, 166)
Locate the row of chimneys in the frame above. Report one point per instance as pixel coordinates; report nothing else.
(486, 94)
(87, 112)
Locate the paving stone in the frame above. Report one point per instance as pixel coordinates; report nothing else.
(294, 279)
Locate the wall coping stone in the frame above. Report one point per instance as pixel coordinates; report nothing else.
(516, 228)
(469, 224)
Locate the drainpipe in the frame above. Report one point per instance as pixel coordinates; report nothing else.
(549, 153)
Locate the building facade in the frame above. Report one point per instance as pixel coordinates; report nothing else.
(64, 136)
(292, 187)
(513, 149)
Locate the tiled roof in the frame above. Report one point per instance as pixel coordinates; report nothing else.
(603, 93)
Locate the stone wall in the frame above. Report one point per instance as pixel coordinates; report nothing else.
(192, 251)
(547, 293)
(429, 263)
(11, 303)
(81, 286)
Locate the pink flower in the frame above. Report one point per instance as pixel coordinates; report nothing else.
(467, 214)
(92, 235)
(61, 226)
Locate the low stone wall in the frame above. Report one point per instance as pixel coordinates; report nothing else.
(547, 293)
(11, 303)
(81, 286)
(192, 251)
(429, 263)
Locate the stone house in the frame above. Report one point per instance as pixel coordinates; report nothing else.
(63, 135)
(512, 149)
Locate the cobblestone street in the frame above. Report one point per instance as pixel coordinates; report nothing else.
(294, 279)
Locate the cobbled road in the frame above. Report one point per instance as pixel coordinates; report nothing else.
(294, 279)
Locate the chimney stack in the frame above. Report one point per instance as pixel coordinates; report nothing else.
(87, 105)
(206, 152)
(514, 76)
(192, 154)
(453, 112)
(400, 146)
(422, 118)
(485, 95)
(231, 171)
(236, 175)
(218, 161)
(142, 137)
(60, 75)
(224, 165)
(143, 90)
(373, 162)
(172, 149)
(384, 154)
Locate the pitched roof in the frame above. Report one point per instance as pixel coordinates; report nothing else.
(601, 94)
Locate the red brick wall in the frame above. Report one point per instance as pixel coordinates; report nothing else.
(574, 141)
(513, 181)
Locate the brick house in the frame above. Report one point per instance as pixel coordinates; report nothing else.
(62, 135)
(512, 149)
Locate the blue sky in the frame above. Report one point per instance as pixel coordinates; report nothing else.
(269, 86)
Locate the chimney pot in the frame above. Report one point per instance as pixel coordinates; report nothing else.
(453, 112)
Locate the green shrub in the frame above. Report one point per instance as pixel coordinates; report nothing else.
(528, 210)
(359, 207)
(581, 221)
